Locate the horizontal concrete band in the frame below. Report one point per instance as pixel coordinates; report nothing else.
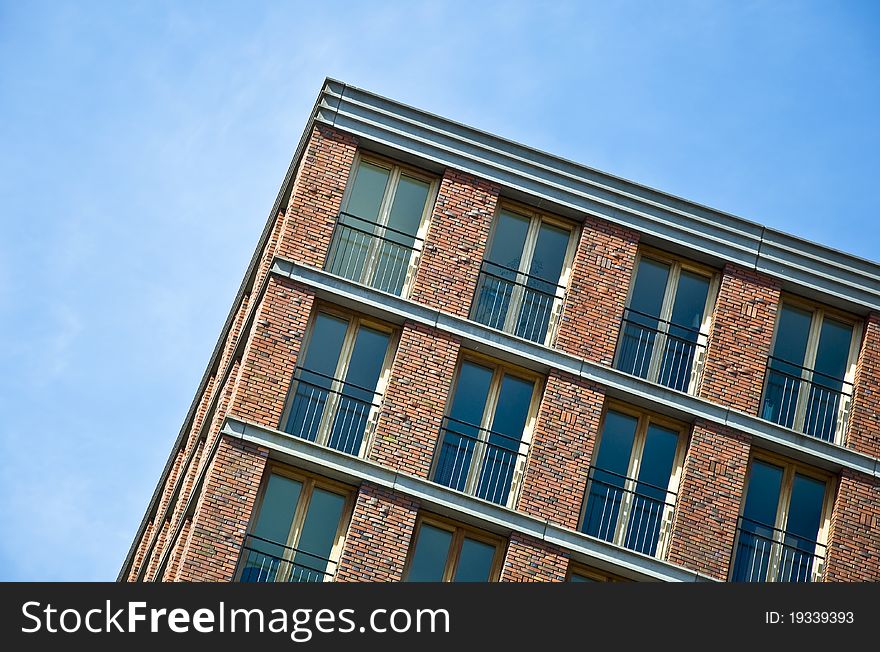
(442, 500)
(541, 358)
(557, 184)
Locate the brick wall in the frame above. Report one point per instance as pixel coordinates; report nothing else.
(854, 534)
(449, 266)
(562, 445)
(864, 427)
(739, 341)
(272, 352)
(317, 196)
(596, 297)
(530, 560)
(223, 512)
(709, 499)
(415, 400)
(378, 537)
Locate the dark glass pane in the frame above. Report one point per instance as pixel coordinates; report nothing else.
(826, 391)
(429, 559)
(684, 330)
(462, 427)
(574, 577)
(474, 561)
(642, 318)
(540, 291)
(264, 551)
(316, 376)
(609, 475)
(757, 523)
(508, 423)
(317, 538)
(500, 268)
(800, 548)
(783, 383)
(358, 391)
(395, 251)
(355, 233)
(649, 500)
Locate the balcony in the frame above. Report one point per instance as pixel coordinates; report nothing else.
(660, 351)
(479, 462)
(263, 560)
(627, 512)
(331, 411)
(767, 554)
(805, 400)
(372, 254)
(516, 302)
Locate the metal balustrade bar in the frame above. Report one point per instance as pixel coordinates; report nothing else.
(766, 553)
(263, 560)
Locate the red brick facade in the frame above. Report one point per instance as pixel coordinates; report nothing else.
(740, 338)
(562, 445)
(854, 534)
(529, 560)
(378, 538)
(415, 400)
(594, 303)
(863, 433)
(455, 245)
(709, 498)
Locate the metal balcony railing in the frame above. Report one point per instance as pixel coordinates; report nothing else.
(806, 400)
(633, 514)
(516, 302)
(660, 351)
(331, 411)
(367, 252)
(765, 553)
(478, 461)
(263, 560)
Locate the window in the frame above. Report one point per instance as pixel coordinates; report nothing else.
(382, 226)
(523, 277)
(484, 438)
(298, 531)
(633, 481)
(579, 573)
(809, 374)
(335, 391)
(666, 323)
(783, 526)
(447, 552)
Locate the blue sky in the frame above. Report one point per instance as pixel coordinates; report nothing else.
(142, 145)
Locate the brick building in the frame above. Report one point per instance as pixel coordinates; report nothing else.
(454, 357)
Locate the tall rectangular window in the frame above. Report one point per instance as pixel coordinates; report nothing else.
(298, 530)
(381, 228)
(443, 551)
(783, 525)
(484, 439)
(522, 281)
(335, 390)
(808, 386)
(665, 324)
(633, 481)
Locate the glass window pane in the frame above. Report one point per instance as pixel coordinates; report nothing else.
(762, 499)
(496, 283)
(367, 191)
(792, 334)
(317, 537)
(462, 427)
(649, 501)
(508, 240)
(639, 331)
(540, 291)
(574, 577)
(755, 543)
(395, 250)
(358, 391)
(609, 475)
(474, 561)
(266, 549)
(508, 423)
(798, 557)
(783, 384)
(316, 376)
(833, 353)
(690, 300)
(429, 559)
(684, 330)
